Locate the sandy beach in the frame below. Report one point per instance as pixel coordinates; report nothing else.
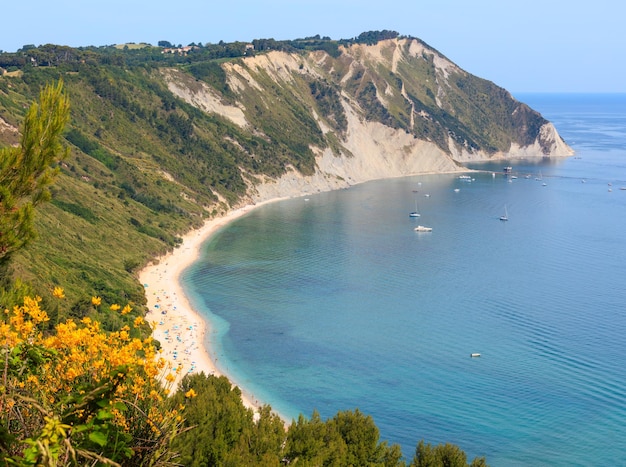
(175, 324)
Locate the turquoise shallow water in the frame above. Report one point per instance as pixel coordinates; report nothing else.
(333, 302)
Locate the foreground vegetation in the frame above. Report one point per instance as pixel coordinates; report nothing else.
(79, 395)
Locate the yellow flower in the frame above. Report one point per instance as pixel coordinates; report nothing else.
(31, 306)
(32, 379)
(127, 309)
(58, 292)
(138, 321)
(190, 394)
(85, 357)
(113, 307)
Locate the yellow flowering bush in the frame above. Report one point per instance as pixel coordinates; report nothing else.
(80, 395)
(58, 292)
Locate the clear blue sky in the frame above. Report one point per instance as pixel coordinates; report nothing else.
(523, 46)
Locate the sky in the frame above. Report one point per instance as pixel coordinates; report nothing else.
(523, 46)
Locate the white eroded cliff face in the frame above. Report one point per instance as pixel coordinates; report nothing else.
(376, 152)
(200, 95)
(10, 132)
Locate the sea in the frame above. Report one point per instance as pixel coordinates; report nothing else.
(332, 302)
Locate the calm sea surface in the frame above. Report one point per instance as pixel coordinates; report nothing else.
(333, 302)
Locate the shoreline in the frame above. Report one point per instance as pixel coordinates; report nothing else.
(179, 328)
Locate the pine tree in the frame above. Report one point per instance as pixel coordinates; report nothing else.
(26, 170)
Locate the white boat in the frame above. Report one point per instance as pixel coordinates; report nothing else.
(474, 355)
(505, 216)
(422, 228)
(416, 212)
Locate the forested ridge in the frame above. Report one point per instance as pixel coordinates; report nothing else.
(131, 166)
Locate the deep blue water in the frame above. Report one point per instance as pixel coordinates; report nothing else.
(333, 302)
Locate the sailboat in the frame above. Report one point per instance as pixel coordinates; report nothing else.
(416, 212)
(505, 216)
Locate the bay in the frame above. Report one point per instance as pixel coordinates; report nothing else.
(333, 302)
